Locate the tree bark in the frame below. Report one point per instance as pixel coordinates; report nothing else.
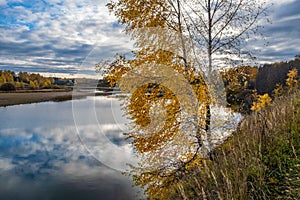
(209, 48)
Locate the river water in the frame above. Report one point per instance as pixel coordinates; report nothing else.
(75, 149)
(65, 150)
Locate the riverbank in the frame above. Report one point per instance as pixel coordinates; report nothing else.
(25, 97)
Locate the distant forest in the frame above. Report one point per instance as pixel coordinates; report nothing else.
(246, 83)
(247, 87)
(10, 81)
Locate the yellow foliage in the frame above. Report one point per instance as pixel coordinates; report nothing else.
(156, 112)
(292, 81)
(168, 96)
(261, 102)
(46, 83)
(139, 14)
(19, 84)
(278, 91)
(34, 84)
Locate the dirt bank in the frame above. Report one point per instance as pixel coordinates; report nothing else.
(15, 98)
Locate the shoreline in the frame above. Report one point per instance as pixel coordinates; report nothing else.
(28, 97)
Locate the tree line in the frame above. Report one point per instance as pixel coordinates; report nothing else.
(10, 81)
(248, 86)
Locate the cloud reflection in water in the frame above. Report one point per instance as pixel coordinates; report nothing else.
(49, 162)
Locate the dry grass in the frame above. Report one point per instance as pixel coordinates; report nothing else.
(261, 160)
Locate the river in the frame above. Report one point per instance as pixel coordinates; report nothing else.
(65, 150)
(75, 149)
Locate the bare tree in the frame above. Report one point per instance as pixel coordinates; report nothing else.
(221, 27)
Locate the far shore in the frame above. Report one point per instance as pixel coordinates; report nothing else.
(36, 96)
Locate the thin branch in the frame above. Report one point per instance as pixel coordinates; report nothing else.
(196, 13)
(231, 16)
(224, 13)
(247, 28)
(196, 26)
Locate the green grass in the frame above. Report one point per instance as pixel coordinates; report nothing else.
(283, 163)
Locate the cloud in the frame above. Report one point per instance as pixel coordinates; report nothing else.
(41, 35)
(287, 9)
(2, 2)
(282, 35)
(61, 36)
(6, 164)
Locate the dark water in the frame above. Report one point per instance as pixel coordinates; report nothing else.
(64, 150)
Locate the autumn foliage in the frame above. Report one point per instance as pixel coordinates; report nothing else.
(168, 95)
(169, 101)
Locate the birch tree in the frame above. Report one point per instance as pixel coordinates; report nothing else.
(221, 27)
(170, 101)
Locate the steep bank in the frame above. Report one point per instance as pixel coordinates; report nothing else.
(261, 160)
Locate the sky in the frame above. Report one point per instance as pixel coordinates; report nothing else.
(67, 37)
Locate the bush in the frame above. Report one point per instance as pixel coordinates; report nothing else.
(7, 87)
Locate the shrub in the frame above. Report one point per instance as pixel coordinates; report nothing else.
(7, 87)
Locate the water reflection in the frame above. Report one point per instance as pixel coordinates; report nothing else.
(41, 156)
(102, 138)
